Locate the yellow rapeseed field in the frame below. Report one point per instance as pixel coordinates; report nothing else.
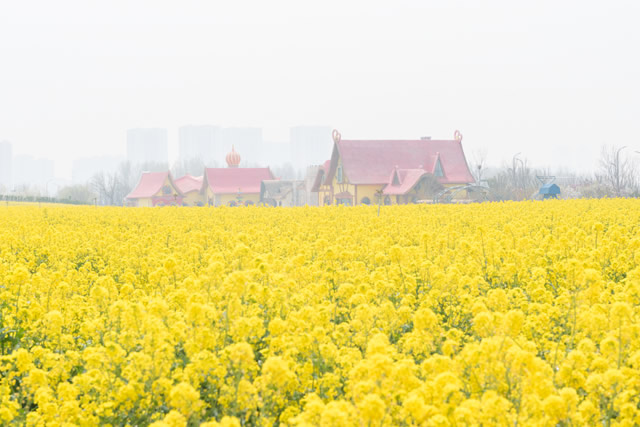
(493, 314)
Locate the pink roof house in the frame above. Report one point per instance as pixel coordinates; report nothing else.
(155, 189)
(233, 185)
(360, 169)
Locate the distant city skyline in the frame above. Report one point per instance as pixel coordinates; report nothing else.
(6, 164)
(30, 171)
(551, 80)
(304, 146)
(148, 145)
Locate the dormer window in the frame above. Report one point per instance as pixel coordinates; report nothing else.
(438, 172)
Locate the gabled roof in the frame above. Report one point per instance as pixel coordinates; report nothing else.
(150, 183)
(189, 183)
(234, 180)
(322, 171)
(549, 188)
(371, 161)
(403, 180)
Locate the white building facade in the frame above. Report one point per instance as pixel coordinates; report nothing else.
(200, 142)
(33, 173)
(6, 163)
(146, 146)
(310, 145)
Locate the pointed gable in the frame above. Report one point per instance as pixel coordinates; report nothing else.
(437, 167)
(403, 181)
(321, 176)
(151, 183)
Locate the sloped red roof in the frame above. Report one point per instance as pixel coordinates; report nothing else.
(403, 180)
(150, 183)
(371, 161)
(189, 183)
(322, 170)
(233, 180)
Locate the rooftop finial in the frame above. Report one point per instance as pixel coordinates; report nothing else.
(336, 135)
(457, 136)
(233, 158)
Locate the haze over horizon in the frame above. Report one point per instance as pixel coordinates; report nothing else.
(552, 80)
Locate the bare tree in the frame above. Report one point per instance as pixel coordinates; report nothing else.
(285, 171)
(516, 182)
(105, 185)
(479, 164)
(617, 171)
(194, 167)
(77, 193)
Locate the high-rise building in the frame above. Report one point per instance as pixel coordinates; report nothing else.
(276, 153)
(6, 160)
(145, 146)
(200, 142)
(32, 172)
(85, 168)
(247, 141)
(310, 145)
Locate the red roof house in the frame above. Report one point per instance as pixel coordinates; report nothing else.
(234, 185)
(394, 167)
(155, 189)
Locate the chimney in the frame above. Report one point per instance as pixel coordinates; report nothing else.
(425, 138)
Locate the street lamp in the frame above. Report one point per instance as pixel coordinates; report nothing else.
(516, 184)
(616, 168)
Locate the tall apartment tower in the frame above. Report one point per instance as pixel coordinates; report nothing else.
(146, 146)
(29, 171)
(6, 161)
(199, 142)
(310, 145)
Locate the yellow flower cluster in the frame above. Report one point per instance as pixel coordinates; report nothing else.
(493, 314)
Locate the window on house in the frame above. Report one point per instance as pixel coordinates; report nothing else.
(339, 174)
(387, 200)
(365, 201)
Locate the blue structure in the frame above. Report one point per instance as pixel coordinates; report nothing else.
(549, 191)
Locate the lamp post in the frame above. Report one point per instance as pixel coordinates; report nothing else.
(616, 170)
(379, 197)
(514, 169)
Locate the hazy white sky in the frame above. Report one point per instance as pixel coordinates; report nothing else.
(551, 79)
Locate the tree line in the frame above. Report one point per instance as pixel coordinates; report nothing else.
(616, 176)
